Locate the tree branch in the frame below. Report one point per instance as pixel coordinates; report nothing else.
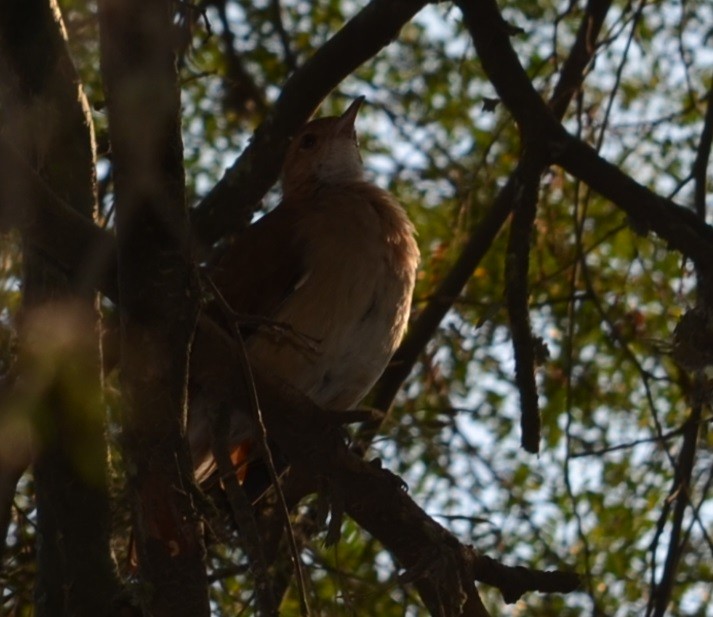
(313, 443)
(232, 201)
(678, 226)
(514, 582)
(681, 493)
(240, 365)
(517, 295)
(703, 153)
(242, 511)
(442, 568)
(580, 55)
(681, 490)
(240, 91)
(422, 330)
(82, 250)
(647, 211)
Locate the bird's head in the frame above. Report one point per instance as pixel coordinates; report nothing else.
(324, 151)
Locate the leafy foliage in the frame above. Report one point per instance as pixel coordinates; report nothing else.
(603, 297)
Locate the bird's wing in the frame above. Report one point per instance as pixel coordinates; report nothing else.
(255, 276)
(264, 266)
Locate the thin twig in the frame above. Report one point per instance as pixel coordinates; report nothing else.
(627, 445)
(703, 152)
(307, 342)
(289, 56)
(619, 71)
(681, 490)
(684, 466)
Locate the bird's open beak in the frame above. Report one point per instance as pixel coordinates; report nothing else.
(347, 119)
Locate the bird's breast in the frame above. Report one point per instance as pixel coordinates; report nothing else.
(351, 306)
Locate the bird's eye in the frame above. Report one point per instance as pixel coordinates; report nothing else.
(308, 141)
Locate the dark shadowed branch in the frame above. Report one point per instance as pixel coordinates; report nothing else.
(514, 582)
(680, 492)
(517, 295)
(74, 244)
(677, 225)
(240, 503)
(240, 91)
(703, 153)
(242, 511)
(373, 497)
(232, 201)
(681, 495)
(480, 241)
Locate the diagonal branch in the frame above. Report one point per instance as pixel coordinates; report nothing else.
(647, 211)
(240, 365)
(677, 225)
(232, 201)
(374, 498)
(681, 494)
(443, 570)
(77, 246)
(580, 56)
(482, 238)
(514, 582)
(240, 91)
(242, 511)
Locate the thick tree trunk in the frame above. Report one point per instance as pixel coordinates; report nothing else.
(156, 285)
(47, 120)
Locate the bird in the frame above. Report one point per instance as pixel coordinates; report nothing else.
(334, 263)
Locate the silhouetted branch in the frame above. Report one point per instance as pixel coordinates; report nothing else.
(288, 55)
(517, 294)
(703, 153)
(580, 55)
(678, 226)
(514, 582)
(442, 569)
(700, 345)
(647, 211)
(681, 494)
(699, 173)
(232, 201)
(481, 239)
(240, 365)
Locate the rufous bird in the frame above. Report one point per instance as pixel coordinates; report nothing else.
(335, 262)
